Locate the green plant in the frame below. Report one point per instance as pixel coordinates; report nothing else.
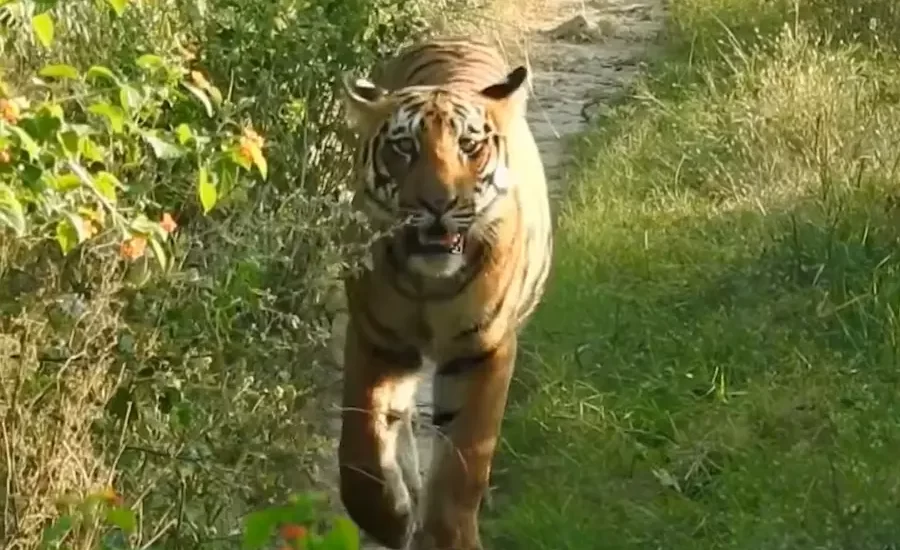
(298, 527)
(103, 520)
(70, 143)
(188, 373)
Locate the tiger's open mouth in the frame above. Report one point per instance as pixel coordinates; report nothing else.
(434, 240)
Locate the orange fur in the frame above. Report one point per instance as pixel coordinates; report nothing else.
(463, 317)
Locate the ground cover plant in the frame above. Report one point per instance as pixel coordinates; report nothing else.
(715, 364)
(171, 208)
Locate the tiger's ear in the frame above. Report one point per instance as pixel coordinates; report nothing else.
(507, 98)
(367, 103)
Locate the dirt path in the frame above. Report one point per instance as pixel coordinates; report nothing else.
(582, 54)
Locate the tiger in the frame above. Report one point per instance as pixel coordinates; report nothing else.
(448, 167)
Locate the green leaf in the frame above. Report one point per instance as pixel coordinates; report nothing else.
(123, 518)
(343, 536)
(201, 95)
(258, 527)
(54, 110)
(206, 190)
(214, 94)
(114, 115)
(42, 25)
(65, 182)
(53, 536)
(163, 149)
(67, 234)
(129, 97)
(106, 184)
(142, 225)
(118, 6)
(149, 61)
(59, 71)
(12, 215)
(159, 253)
(25, 142)
(90, 150)
(260, 161)
(69, 142)
(184, 133)
(98, 71)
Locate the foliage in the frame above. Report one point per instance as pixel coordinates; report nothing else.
(173, 203)
(103, 519)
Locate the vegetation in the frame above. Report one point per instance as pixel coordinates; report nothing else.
(714, 366)
(171, 203)
(716, 362)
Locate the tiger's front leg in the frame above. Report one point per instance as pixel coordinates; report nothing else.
(377, 448)
(469, 403)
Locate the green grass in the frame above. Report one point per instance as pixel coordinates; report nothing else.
(715, 364)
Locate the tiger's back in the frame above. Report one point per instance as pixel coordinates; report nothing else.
(446, 153)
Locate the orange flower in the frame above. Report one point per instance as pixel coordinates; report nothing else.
(246, 152)
(250, 144)
(292, 532)
(167, 223)
(249, 135)
(5, 156)
(133, 248)
(9, 111)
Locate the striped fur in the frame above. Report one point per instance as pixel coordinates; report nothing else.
(446, 157)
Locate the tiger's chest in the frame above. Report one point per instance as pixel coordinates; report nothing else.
(477, 316)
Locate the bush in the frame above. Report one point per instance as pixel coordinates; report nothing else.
(172, 201)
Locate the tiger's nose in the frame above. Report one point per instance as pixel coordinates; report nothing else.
(438, 205)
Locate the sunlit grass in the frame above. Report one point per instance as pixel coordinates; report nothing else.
(715, 363)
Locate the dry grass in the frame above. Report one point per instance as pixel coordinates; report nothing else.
(509, 24)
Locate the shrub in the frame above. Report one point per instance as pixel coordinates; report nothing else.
(171, 200)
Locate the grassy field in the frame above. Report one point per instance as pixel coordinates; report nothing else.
(716, 362)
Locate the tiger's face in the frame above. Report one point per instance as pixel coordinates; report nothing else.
(434, 163)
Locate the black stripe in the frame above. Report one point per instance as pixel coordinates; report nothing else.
(491, 317)
(462, 365)
(494, 312)
(379, 328)
(407, 359)
(399, 271)
(440, 419)
(424, 66)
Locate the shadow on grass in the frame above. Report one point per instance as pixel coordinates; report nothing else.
(730, 385)
(715, 363)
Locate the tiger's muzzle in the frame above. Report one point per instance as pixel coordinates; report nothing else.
(433, 240)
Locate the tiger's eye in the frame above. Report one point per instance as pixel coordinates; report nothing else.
(469, 146)
(404, 146)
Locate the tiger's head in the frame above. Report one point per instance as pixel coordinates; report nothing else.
(434, 161)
